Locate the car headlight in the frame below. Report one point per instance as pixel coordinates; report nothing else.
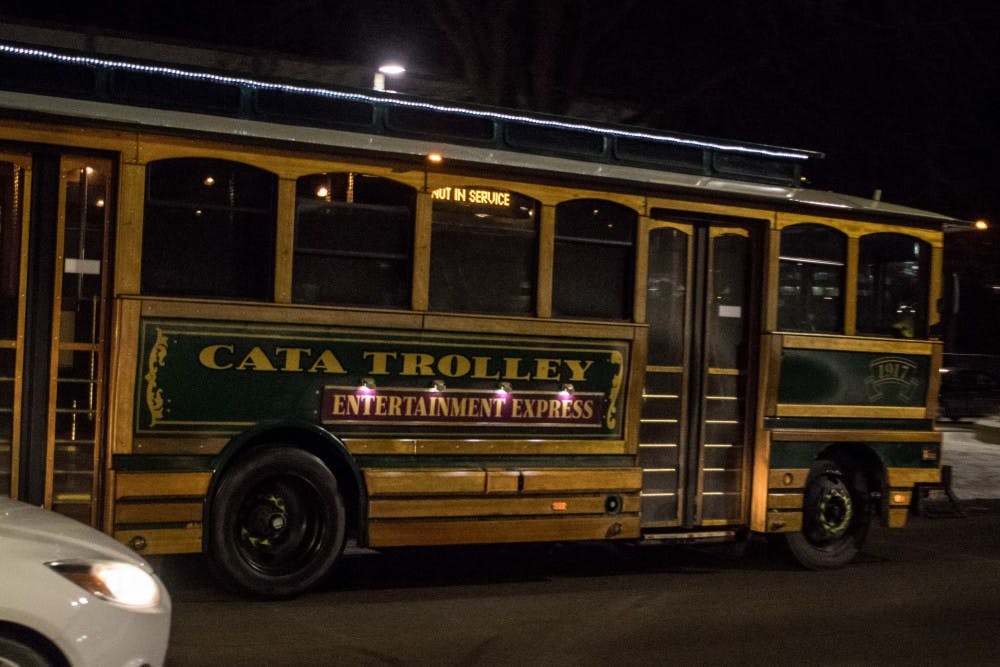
(115, 581)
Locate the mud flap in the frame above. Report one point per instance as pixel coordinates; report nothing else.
(936, 501)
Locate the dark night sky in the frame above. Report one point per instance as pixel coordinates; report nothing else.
(901, 95)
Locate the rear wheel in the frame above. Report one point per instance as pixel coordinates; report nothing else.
(834, 520)
(277, 523)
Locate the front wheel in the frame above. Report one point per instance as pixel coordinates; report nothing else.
(15, 653)
(834, 520)
(277, 523)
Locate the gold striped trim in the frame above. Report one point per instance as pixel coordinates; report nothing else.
(784, 501)
(477, 446)
(387, 508)
(817, 410)
(163, 540)
(397, 533)
(856, 344)
(787, 478)
(783, 522)
(448, 481)
(849, 435)
(159, 484)
(443, 481)
(906, 477)
(897, 517)
(165, 512)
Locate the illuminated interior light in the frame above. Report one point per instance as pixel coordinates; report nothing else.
(209, 181)
(197, 212)
(436, 158)
(99, 203)
(982, 225)
(566, 391)
(90, 61)
(322, 191)
(367, 386)
(89, 170)
(438, 385)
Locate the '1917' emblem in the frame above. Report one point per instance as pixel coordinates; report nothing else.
(891, 375)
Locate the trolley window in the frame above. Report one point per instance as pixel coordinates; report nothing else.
(208, 230)
(484, 250)
(594, 259)
(811, 279)
(893, 282)
(353, 240)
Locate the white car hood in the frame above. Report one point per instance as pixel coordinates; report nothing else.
(50, 536)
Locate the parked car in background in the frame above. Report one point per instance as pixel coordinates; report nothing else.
(967, 392)
(70, 595)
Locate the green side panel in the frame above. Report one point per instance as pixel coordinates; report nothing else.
(892, 454)
(220, 378)
(827, 377)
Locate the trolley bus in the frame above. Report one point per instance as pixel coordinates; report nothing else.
(258, 319)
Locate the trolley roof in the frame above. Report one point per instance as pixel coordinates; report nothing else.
(37, 80)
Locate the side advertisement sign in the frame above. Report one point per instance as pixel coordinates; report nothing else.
(220, 378)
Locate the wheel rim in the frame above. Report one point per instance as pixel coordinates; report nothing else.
(280, 524)
(830, 516)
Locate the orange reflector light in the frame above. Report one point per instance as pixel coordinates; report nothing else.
(899, 499)
(558, 507)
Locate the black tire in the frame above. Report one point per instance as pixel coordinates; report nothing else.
(277, 523)
(15, 653)
(834, 519)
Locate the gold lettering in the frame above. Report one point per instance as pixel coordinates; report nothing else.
(209, 357)
(380, 362)
(546, 369)
(512, 369)
(454, 365)
(498, 404)
(578, 369)
(481, 368)
(256, 360)
(417, 363)
(395, 406)
(293, 357)
(327, 362)
(339, 401)
(420, 410)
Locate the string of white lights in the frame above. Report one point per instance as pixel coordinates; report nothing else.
(413, 104)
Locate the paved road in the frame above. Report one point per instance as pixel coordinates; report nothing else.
(920, 595)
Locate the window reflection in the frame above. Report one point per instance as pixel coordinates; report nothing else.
(353, 240)
(594, 259)
(208, 229)
(483, 251)
(811, 279)
(666, 295)
(893, 286)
